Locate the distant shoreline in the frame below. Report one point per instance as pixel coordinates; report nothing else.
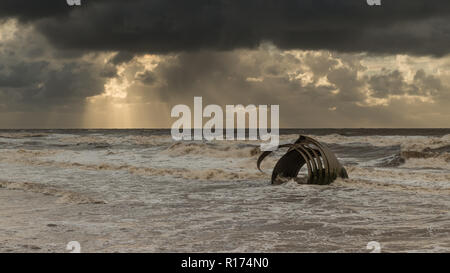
(285, 131)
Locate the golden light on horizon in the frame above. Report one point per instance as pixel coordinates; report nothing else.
(114, 113)
(114, 109)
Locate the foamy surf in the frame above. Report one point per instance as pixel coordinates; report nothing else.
(64, 196)
(161, 195)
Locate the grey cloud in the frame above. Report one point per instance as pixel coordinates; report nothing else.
(160, 26)
(72, 81)
(69, 85)
(222, 78)
(21, 74)
(36, 80)
(122, 57)
(394, 83)
(320, 65)
(387, 84)
(429, 84)
(147, 77)
(346, 80)
(108, 71)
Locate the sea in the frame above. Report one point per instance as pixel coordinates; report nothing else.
(138, 190)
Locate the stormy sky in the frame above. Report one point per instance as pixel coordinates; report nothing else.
(125, 64)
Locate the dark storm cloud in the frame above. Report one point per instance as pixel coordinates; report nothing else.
(122, 57)
(346, 80)
(161, 26)
(394, 83)
(68, 85)
(31, 78)
(21, 74)
(429, 84)
(146, 78)
(384, 85)
(31, 10)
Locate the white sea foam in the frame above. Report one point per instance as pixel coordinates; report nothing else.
(416, 143)
(165, 196)
(218, 150)
(64, 196)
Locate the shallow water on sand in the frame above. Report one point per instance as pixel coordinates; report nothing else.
(138, 190)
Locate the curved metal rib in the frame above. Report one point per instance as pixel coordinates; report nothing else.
(308, 164)
(321, 170)
(266, 153)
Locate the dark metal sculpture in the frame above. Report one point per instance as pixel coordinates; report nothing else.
(323, 166)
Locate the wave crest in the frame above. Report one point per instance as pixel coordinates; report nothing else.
(65, 197)
(22, 135)
(358, 183)
(416, 143)
(212, 150)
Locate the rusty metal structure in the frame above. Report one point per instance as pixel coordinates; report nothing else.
(323, 166)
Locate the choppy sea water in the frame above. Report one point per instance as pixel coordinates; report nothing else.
(138, 190)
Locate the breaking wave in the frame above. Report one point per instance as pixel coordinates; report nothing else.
(399, 174)
(206, 174)
(202, 174)
(64, 196)
(436, 158)
(358, 183)
(22, 135)
(107, 141)
(413, 143)
(212, 150)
